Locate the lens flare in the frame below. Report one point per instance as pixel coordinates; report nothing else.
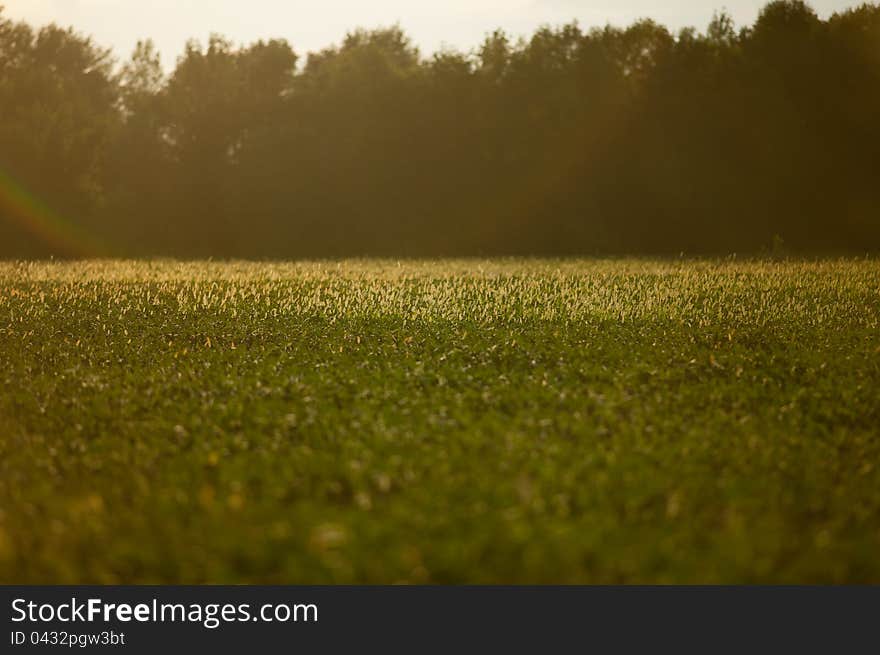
(33, 215)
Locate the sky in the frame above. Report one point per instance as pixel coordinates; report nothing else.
(315, 24)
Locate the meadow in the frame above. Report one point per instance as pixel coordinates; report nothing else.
(497, 421)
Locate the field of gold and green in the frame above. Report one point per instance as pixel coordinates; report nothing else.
(619, 421)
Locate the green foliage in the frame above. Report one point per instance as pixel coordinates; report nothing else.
(454, 421)
(614, 140)
(57, 111)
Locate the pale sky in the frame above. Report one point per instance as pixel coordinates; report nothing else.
(309, 26)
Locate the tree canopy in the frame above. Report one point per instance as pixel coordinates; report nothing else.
(611, 140)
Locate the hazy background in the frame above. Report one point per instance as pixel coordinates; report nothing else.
(314, 25)
(639, 138)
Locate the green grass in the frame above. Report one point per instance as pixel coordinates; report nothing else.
(447, 422)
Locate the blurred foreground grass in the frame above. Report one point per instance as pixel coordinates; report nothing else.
(451, 422)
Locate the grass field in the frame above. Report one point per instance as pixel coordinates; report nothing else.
(448, 422)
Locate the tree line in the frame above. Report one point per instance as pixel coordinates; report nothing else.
(611, 140)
